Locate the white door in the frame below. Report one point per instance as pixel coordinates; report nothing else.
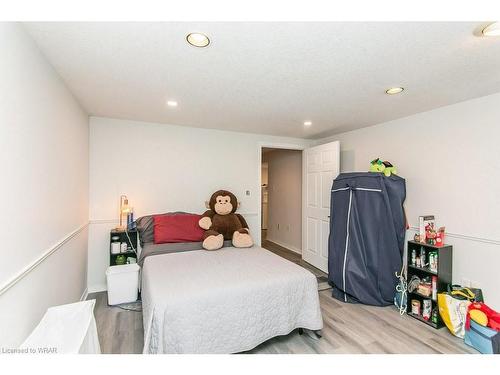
(320, 166)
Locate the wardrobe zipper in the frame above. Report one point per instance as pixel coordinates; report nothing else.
(362, 189)
(368, 189)
(346, 243)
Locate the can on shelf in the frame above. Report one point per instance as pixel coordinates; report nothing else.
(115, 247)
(434, 288)
(415, 307)
(427, 310)
(123, 247)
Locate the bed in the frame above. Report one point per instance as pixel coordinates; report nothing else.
(224, 301)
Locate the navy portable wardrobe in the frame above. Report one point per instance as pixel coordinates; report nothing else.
(366, 242)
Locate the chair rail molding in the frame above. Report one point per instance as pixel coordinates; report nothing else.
(465, 237)
(47, 253)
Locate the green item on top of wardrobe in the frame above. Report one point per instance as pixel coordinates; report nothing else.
(385, 167)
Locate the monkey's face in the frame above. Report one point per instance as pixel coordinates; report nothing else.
(223, 205)
(223, 202)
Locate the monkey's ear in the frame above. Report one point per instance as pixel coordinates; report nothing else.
(207, 204)
(239, 204)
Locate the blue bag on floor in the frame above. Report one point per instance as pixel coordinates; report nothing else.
(483, 339)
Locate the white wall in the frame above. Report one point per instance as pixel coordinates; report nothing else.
(285, 198)
(450, 160)
(44, 187)
(166, 168)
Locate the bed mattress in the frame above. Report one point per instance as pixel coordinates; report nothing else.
(224, 301)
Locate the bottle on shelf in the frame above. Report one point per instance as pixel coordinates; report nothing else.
(434, 288)
(422, 257)
(434, 315)
(130, 219)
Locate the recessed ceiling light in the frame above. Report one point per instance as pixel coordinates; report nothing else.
(198, 39)
(394, 90)
(492, 29)
(172, 103)
(308, 123)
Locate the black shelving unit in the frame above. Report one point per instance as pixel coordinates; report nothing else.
(132, 243)
(443, 274)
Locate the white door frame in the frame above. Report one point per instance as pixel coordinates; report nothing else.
(281, 146)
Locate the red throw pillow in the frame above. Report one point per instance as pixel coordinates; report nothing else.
(177, 228)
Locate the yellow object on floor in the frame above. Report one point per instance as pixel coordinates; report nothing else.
(453, 311)
(479, 317)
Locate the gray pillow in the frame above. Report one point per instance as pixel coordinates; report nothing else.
(145, 226)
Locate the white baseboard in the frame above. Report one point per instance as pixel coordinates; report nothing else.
(84, 295)
(286, 246)
(97, 288)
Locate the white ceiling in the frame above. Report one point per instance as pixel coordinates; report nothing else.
(270, 77)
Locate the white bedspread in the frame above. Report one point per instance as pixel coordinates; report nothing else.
(224, 301)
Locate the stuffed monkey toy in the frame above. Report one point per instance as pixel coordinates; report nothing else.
(222, 223)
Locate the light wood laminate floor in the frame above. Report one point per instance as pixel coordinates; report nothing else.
(297, 258)
(348, 328)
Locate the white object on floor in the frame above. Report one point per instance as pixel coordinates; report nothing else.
(224, 301)
(65, 329)
(123, 283)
